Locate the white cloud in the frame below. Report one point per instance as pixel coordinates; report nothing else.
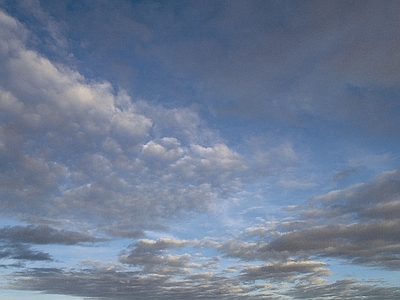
(77, 150)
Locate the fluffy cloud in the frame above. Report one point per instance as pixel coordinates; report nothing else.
(154, 258)
(74, 149)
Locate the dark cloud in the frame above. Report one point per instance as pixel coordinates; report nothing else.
(284, 60)
(22, 252)
(291, 62)
(374, 200)
(359, 224)
(155, 258)
(287, 271)
(369, 244)
(16, 241)
(110, 283)
(346, 289)
(44, 235)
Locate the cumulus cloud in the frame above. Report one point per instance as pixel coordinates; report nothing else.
(74, 148)
(154, 258)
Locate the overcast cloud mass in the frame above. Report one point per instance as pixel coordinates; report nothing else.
(199, 149)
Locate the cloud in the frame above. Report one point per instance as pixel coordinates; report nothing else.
(344, 174)
(358, 224)
(103, 283)
(372, 244)
(287, 271)
(154, 258)
(75, 148)
(363, 202)
(299, 279)
(283, 62)
(43, 235)
(52, 34)
(348, 289)
(274, 253)
(22, 252)
(290, 60)
(16, 241)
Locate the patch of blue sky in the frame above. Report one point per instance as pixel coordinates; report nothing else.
(342, 270)
(20, 295)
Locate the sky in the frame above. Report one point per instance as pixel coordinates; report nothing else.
(199, 150)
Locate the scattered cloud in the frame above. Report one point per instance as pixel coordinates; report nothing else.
(200, 149)
(74, 148)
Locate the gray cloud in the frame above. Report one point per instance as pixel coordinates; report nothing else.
(369, 244)
(346, 289)
(16, 241)
(286, 271)
(44, 235)
(104, 283)
(22, 252)
(374, 200)
(291, 62)
(344, 174)
(358, 224)
(273, 59)
(155, 258)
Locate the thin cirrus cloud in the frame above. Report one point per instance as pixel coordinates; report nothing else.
(209, 150)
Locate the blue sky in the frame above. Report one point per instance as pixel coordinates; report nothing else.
(199, 149)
